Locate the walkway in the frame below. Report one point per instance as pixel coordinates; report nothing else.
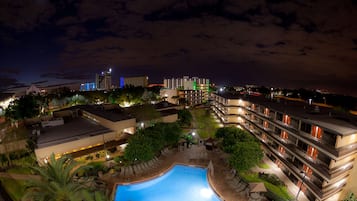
(273, 169)
(18, 176)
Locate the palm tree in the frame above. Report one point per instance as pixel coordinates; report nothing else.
(58, 182)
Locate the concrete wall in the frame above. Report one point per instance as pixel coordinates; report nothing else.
(13, 146)
(345, 140)
(351, 182)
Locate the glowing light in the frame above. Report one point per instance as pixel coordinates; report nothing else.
(193, 133)
(205, 192)
(107, 156)
(142, 124)
(126, 104)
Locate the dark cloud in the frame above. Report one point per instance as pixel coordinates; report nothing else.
(67, 75)
(259, 41)
(25, 15)
(40, 82)
(8, 83)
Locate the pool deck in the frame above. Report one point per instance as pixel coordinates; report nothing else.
(196, 155)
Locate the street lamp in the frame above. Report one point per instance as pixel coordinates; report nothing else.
(302, 182)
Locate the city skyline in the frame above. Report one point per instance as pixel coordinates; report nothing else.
(291, 44)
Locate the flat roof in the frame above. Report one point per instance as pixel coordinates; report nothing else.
(75, 129)
(112, 113)
(342, 123)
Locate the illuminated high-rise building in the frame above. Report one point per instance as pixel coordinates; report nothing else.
(103, 80)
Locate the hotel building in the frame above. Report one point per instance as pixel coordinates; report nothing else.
(316, 147)
(195, 90)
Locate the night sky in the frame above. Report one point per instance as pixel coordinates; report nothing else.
(293, 44)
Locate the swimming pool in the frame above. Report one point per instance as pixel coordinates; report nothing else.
(180, 183)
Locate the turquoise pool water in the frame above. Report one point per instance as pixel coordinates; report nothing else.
(181, 183)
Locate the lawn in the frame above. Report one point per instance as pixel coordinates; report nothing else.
(263, 166)
(204, 122)
(274, 191)
(15, 188)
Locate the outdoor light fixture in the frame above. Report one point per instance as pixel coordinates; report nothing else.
(302, 183)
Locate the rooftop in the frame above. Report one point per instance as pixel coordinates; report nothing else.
(73, 130)
(111, 112)
(340, 122)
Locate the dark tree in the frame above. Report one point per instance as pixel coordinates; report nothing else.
(25, 107)
(184, 118)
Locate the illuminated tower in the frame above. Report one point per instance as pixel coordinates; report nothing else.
(104, 80)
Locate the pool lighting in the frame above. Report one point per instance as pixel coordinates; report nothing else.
(205, 192)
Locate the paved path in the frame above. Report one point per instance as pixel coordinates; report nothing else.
(293, 189)
(18, 176)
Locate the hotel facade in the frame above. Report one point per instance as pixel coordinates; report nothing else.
(194, 90)
(315, 147)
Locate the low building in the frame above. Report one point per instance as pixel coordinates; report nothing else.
(86, 129)
(316, 147)
(140, 81)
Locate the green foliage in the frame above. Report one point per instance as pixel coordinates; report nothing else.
(139, 148)
(275, 192)
(232, 135)
(350, 197)
(204, 122)
(57, 181)
(245, 155)
(263, 166)
(146, 143)
(272, 178)
(129, 94)
(184, 118)
(244, 148)
(25, 107)
(15, 188)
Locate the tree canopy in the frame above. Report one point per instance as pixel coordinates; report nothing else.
(58, 182)
(184, 117)
(144, 144)
(244, 148)
(24, 107)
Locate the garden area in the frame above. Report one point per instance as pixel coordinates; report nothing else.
(276, 189)
(246, 153)
(204, 122)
